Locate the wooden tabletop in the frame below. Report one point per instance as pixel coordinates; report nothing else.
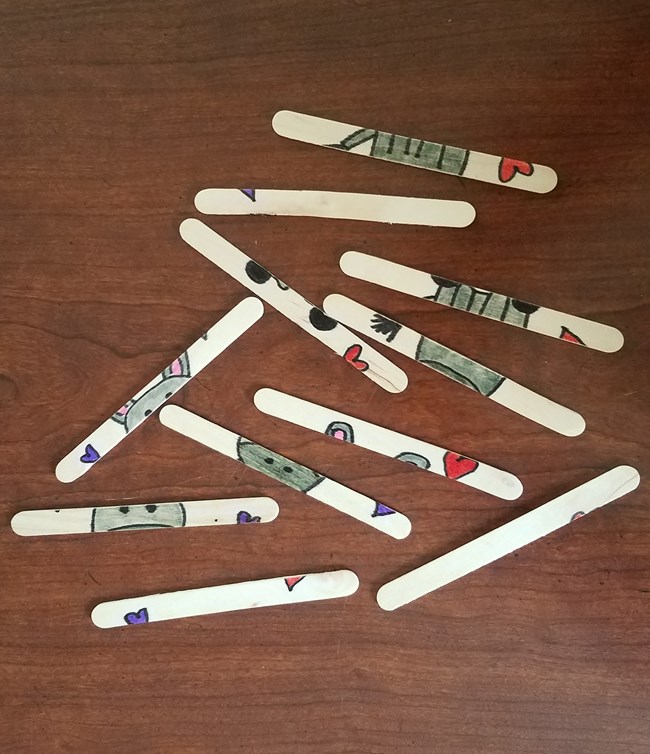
(112, 116)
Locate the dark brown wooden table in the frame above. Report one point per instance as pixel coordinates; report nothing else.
(112, 116)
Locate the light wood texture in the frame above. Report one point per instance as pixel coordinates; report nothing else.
(398, 210)
(370, 512)
(241, 510)
(565, 327)
(506, 392)
(282, 590)
(113, 115)
(390, 443)
(294, 306)
(413, 151)
(507, 538)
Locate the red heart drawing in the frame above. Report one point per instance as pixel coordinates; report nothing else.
(508, 169)
(291, 581)
(566, 334)
(352, 357)
(457, 466)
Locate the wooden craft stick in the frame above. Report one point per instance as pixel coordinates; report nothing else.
(504, 171)
(293, 306)
(398, 210)
(506, 539)
(388, 443)
(282, 590)
(153, 395)
(488, 304)
(382, 517)
(454, 365)
(239, 510)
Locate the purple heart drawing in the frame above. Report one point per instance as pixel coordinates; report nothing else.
(141, 616)
(244, 517)
(250, 193)
(90, 455)
(382, 510)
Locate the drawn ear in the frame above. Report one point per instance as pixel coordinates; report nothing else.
(176, 368)
(120, 415)
(180, 367)
(415, 459)
(340, 431)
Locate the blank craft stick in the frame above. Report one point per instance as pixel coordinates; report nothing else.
(399, 210)
(389, 443)
(153, 395)
(282, 590)
(512, 536)
(457, 367)
(379, 516)
(241, 510)
(484, 303)
(503, 171)
(292, 305)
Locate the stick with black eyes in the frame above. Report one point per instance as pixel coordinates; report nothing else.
(539, 319)
(237, 510)
(382, 517)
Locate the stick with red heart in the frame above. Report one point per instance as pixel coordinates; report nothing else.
(418, 153)
(389, 443)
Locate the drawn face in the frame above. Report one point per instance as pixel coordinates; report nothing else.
(138, 409)
(123, 517)
(277, 466)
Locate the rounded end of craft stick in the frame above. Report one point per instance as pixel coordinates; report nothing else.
(101, 617)
(201, 202)
(188, 228)
(280, 120)
(66, 472)
(167, 414)
(549, 180)
(613, 342)
(386, 598)
(512, 488)
(573, 425)
(17, 525)
(466, 214)
(401, 527)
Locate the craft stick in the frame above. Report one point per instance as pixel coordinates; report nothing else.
(292, 305)
(238, 510)
(155, 393)
(398, 210)
(506, 539)
(484, 303)
(389, 443)
(504, 171)
(282, 590)
(457, 367)
(382, 517)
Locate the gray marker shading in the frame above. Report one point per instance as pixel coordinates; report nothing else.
(458, 367)
(276, 466)
(415, 459)
(423, 154)
(340, 431)
(485, 303)
(172, 379)
(161, 516)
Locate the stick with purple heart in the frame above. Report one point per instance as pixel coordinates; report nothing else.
(159, 390)
(281, 590)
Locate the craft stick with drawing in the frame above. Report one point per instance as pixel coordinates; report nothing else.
(454, 365)
(503, 171)
(382, 517)
(398, 210)
(292, 305)
(512, 536)
(488, 304)
(392, 444)
(282, 590)
(153, 395)
(241, 510)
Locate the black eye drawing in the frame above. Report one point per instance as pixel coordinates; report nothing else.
(151, 508)
(320, 320)
(268, 460)
(288, 469)
(524, 307)
(385, 326)
(124, 509)
(168, 395)
(260, 275)
(147, 412)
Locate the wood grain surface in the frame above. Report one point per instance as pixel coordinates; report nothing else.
(112, 115)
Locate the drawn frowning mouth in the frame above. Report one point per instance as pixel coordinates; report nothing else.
(142, 526)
